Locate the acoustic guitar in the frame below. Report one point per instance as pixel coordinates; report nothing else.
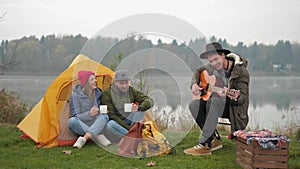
(207, 83)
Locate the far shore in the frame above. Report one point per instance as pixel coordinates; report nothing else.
(256, 73)
(252, 73)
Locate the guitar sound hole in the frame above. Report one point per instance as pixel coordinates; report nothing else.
(204, 91)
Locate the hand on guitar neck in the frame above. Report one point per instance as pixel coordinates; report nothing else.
(233, 94)
(206, 87)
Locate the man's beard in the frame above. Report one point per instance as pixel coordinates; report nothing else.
(124, 90)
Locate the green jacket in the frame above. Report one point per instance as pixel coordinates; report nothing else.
(114, 99)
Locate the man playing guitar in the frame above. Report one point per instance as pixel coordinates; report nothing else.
(215, 87)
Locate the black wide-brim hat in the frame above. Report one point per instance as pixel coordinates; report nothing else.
(213, 48)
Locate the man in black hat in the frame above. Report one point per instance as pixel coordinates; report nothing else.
(223, 65)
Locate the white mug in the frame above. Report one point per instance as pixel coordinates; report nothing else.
(103, 108)
(128, 107)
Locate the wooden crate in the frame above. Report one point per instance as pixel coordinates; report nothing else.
(254, 156)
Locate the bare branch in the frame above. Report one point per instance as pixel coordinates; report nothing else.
(12, 60)
(2, 16)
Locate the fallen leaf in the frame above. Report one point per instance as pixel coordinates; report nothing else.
(67, 152)
(151, 164)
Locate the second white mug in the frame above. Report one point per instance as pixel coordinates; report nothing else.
(103, 108)
(128, 107)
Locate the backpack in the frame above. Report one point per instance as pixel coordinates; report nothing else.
(129, 143)
(153, 142)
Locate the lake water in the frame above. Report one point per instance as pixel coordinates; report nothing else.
(274, 101)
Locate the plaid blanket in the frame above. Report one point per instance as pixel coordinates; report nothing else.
(265, 138)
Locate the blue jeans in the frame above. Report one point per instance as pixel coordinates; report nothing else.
(80, 128)
(135, 117)
(101, 123)
(115, 128)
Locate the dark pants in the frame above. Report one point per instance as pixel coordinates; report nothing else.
(200, 110)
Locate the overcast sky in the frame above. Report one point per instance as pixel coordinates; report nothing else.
(264, 21)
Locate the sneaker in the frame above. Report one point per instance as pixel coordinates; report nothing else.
(198, 150)
(216, 144)
(80, 142)
(101, 139)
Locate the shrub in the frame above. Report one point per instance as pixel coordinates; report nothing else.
(12, 109)
(298, 134)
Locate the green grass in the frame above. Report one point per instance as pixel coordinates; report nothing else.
(17, 152)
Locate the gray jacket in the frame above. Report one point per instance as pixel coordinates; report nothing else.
(80, 105)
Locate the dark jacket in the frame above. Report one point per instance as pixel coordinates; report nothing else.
(237, 111)
(144, 103)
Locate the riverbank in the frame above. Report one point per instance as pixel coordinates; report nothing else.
(20, 153)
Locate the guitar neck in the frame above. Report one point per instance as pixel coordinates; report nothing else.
(215, 88)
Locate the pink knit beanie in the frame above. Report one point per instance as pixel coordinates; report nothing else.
(83, 76)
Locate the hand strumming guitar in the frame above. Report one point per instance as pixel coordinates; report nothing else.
(196, 90)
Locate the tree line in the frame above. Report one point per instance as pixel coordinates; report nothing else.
(50, 55)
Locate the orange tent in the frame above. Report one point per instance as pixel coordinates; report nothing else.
(46, 124)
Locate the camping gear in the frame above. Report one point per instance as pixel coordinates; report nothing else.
(144, 140)
(47, 123)
(128, 145)
(153, 142)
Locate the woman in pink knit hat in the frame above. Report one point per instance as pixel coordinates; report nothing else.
(86, 121)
